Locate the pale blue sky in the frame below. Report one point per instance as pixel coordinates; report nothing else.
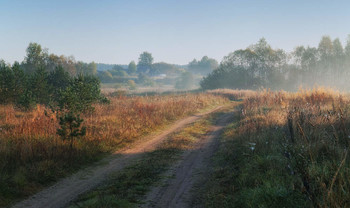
(174, 31)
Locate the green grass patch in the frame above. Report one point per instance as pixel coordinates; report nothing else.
(250, 171)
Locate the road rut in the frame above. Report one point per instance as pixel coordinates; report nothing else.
(68, 189)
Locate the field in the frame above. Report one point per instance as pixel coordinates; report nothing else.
(279, 148)
(32, 156)
(283, 150)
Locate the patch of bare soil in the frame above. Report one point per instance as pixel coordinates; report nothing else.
(177, 191)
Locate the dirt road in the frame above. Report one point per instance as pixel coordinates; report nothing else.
(66, 190)
(177, 191)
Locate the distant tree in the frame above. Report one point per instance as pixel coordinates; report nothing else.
(86, 68)
(6, 83)
(164, 68)
(118, 71)
(40, 87)
(68, 63)
(185, 81)
(20, 82)
(143, 79)
(36, 57)
(325, 47)
(204, 66)
(105, 76)
(145, 62)
(59, 80)
(132, 67)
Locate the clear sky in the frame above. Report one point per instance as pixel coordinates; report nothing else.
(174, 31)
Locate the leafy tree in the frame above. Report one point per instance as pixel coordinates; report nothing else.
(145, 62)
(185, 81)
(105, 76)
(132, 67)
(164, 68)
(36, 57)
(119, 72)
(204, 66)
(143, 79)
(86, 68)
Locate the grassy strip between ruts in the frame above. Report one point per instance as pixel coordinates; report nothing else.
(126, 188)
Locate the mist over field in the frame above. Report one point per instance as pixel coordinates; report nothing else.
(174, 103)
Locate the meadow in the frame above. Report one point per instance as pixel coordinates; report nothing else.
(283, 150)
(33, 156)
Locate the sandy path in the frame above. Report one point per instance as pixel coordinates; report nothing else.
(66, 190)
(177, 192)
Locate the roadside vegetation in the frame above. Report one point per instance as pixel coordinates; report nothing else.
(284, 150)
(128, 187)
(33, 155)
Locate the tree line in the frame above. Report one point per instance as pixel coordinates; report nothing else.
(47, 79)
(261, 66)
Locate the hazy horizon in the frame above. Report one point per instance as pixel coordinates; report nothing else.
(116, 32)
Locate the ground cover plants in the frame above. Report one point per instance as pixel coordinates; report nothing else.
(284, 150)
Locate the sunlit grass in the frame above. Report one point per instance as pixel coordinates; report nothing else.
(285, 150)
(33, 156)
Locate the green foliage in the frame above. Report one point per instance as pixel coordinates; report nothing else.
(58, 80)
(164, 68)
(261, 66)
(89, 69)
(79, 96)
(26, 100)
(39, 86)
(118, 72)
(35, 58)
(132, 67)
(235, 77)
(204, 66)
(143, 79)
(70, 127)
(105, 76)
(145, 62)
(185, 81)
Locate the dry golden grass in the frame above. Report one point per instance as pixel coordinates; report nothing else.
(32, 155)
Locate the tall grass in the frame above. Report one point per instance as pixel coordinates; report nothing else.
(32, 155)
(286, 150)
